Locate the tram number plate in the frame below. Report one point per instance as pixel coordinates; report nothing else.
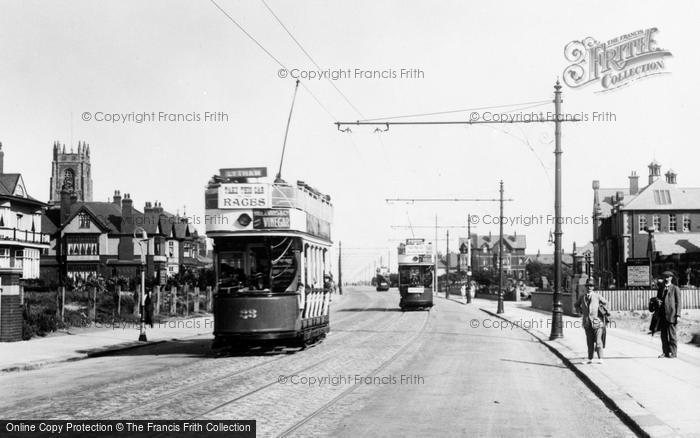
(415, 290)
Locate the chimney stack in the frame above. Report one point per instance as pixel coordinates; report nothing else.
(127, 215)
(634, 183)
(2, 160)
(73, 198)
(117, 198)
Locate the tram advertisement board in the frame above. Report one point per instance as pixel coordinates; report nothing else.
(421, 248)
(318, 227)
(243, 196)
(270, 219)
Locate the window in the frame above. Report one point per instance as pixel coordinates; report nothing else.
(19, 222)
(656, 221)
(642, 223)
(4, 257)
(171, 249)
(672, 226)
(84, 220)
(19, 257)
(686, 224)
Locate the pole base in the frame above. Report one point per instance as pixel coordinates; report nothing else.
(142, 337)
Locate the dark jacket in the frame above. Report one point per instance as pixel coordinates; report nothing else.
(671, 307)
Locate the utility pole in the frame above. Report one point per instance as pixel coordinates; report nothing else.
(340, 267)
(469, 257)
(447, 266)
(435, 263)
(500, 256)
(557, 310)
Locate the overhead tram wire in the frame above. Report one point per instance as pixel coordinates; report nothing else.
(405, 116)
(308, 55)
(273, 57)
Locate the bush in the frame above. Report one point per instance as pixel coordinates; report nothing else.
(39, 321)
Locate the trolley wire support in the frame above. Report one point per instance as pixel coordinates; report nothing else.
(557, 309)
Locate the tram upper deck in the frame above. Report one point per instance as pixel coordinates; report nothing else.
(268, 237)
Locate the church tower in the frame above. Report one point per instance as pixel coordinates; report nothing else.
(71, 171)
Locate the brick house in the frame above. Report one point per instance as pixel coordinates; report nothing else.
(484, 251)
(623, 216)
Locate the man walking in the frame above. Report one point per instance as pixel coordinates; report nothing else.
(589, 305)
(670, 311)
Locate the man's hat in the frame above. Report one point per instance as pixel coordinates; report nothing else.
(590, 282)
(668, 274)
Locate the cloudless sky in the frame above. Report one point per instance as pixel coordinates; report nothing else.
(63, 58)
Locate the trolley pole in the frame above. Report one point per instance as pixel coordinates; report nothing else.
(557, 310)
(340, 268)
(500, 255)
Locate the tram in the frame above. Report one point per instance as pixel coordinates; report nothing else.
(272, 247)
(416, 270)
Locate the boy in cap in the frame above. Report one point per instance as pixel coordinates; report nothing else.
(593, 324)
(670, 311)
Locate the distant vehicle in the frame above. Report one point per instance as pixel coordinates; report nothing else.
(382, 285)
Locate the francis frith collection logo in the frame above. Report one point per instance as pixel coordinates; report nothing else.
(616, 62)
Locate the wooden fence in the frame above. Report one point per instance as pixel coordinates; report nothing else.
(622, 299)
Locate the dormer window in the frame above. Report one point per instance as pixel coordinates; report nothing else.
(84, 220)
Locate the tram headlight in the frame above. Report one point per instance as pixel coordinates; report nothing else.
(244, 220)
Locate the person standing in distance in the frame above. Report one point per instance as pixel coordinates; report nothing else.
(589, 305)
(670, 312)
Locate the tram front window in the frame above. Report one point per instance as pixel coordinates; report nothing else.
(416, 276)
(258, 263)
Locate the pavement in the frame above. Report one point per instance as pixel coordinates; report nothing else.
(95, 340)
(100, 339)
(656, 397)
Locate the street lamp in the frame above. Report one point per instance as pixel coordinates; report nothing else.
(141, 240)
(650, 252)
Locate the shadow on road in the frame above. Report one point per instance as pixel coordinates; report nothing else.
(534, 363)
(197, 348)
(370, 309)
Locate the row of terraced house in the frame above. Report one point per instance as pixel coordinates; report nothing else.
(71, 237)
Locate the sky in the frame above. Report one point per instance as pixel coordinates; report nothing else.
(64, 59)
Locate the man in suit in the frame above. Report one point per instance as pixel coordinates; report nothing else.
(589, 305)
(670, 312)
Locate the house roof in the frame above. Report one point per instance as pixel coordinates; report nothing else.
(548, 259)
(9, 184)
(660, 195)
(514, 241)
(608, 197)
(676, 243)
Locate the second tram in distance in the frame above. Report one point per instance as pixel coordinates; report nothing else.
(416, 269)
(272, 259)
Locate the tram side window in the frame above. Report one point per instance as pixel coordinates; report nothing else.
(231, 272)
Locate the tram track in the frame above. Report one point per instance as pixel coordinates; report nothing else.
(354, 387)
(217, 378)
(146, 401)
(272, 382)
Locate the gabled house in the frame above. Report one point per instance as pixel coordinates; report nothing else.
(104, 238)
(484, 251)
(21, 244)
